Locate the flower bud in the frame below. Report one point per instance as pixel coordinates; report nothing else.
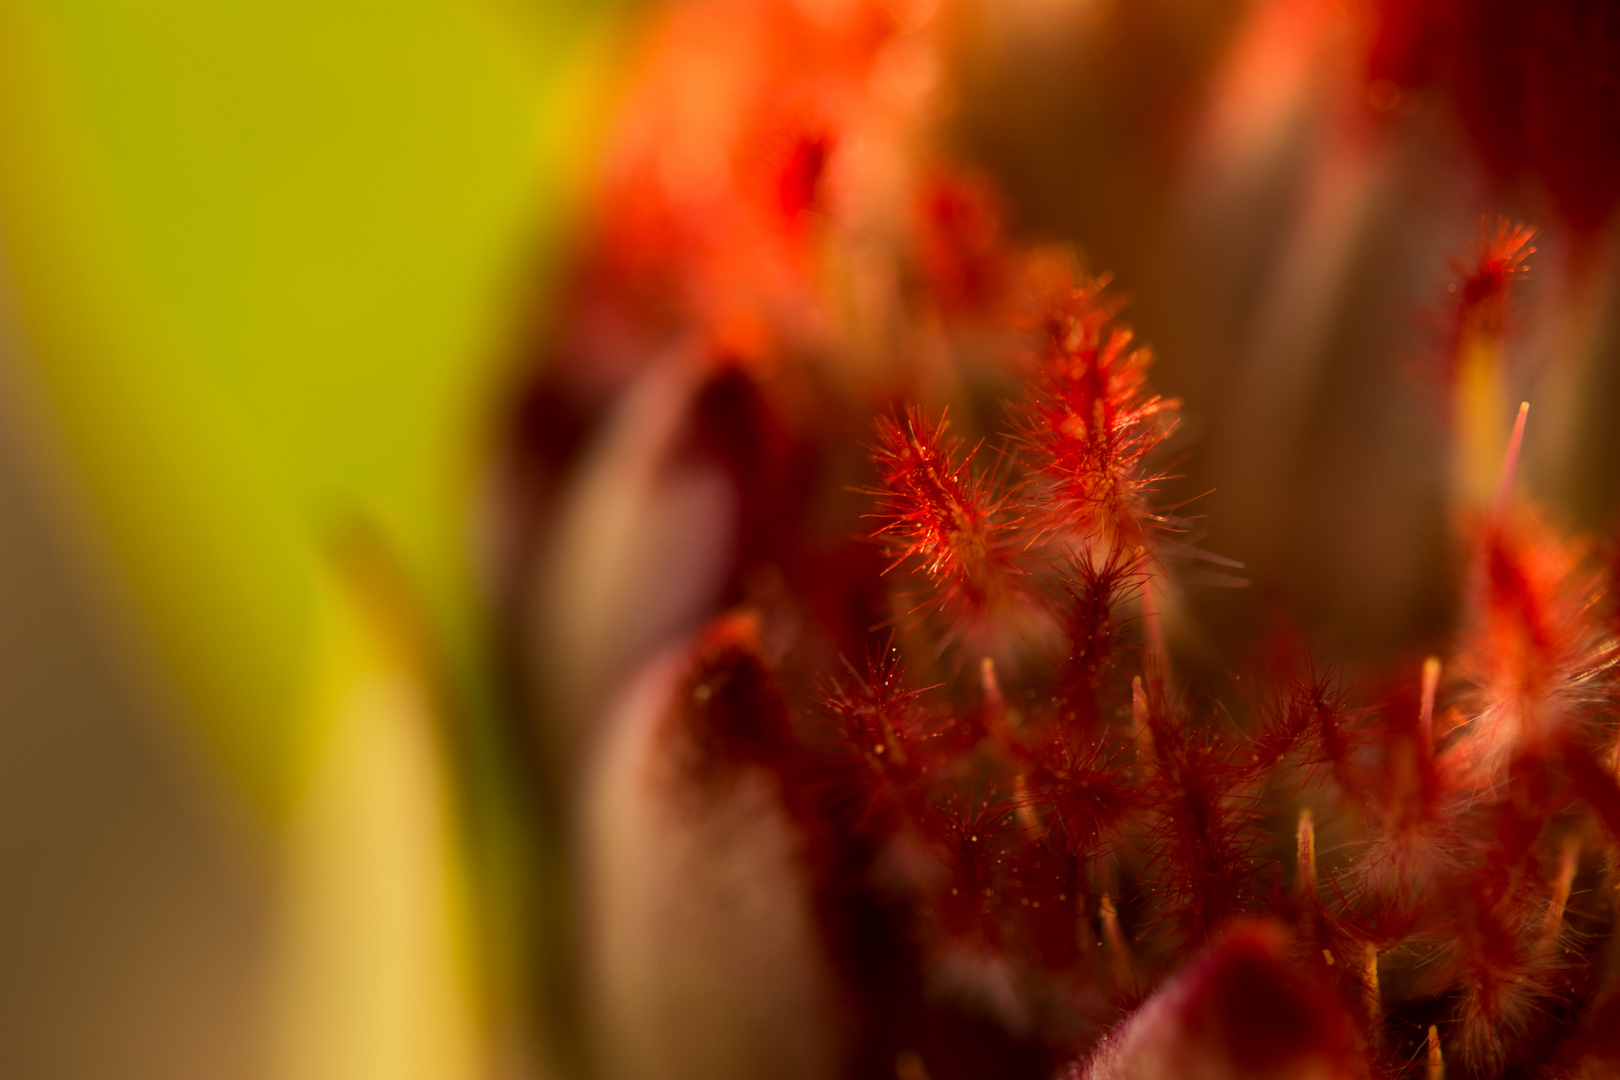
(1237, 1011)
(703, 950)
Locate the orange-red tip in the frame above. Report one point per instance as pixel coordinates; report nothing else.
(1510, 467)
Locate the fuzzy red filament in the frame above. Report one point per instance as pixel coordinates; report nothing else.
(1090, 422)
(937, 511)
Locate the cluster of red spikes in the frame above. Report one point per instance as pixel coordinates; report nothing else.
(1090, 423)
(1072, 529)
(1062, 840)
(938, 511)
(1017, 824)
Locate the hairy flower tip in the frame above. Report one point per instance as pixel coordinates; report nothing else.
(801, 172)
(1237, 1011)
(963, 258)
(1090, 423)
(936, 510)
(1080, 793)
(1508, 979)
(1308, 721)
(1396, 877)
(970, 836)
(880, 735)
(1412, 810)
(1536, 652)
(1496, 262)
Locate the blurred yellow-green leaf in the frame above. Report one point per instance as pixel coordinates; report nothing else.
(263, 255)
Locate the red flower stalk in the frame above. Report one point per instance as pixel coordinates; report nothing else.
(1099, 636)
(1205, 832)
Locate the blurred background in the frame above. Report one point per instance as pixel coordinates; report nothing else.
(277, 280)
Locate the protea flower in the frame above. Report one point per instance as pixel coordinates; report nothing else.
(861, 614)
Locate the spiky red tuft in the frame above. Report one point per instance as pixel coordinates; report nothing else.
(937, 511)
(1536, 646)
(1090, 422)
(1497, 261)
(881, 737)
(964, 260)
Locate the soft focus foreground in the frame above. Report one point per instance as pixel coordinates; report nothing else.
(832, 642)
(258, 267)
